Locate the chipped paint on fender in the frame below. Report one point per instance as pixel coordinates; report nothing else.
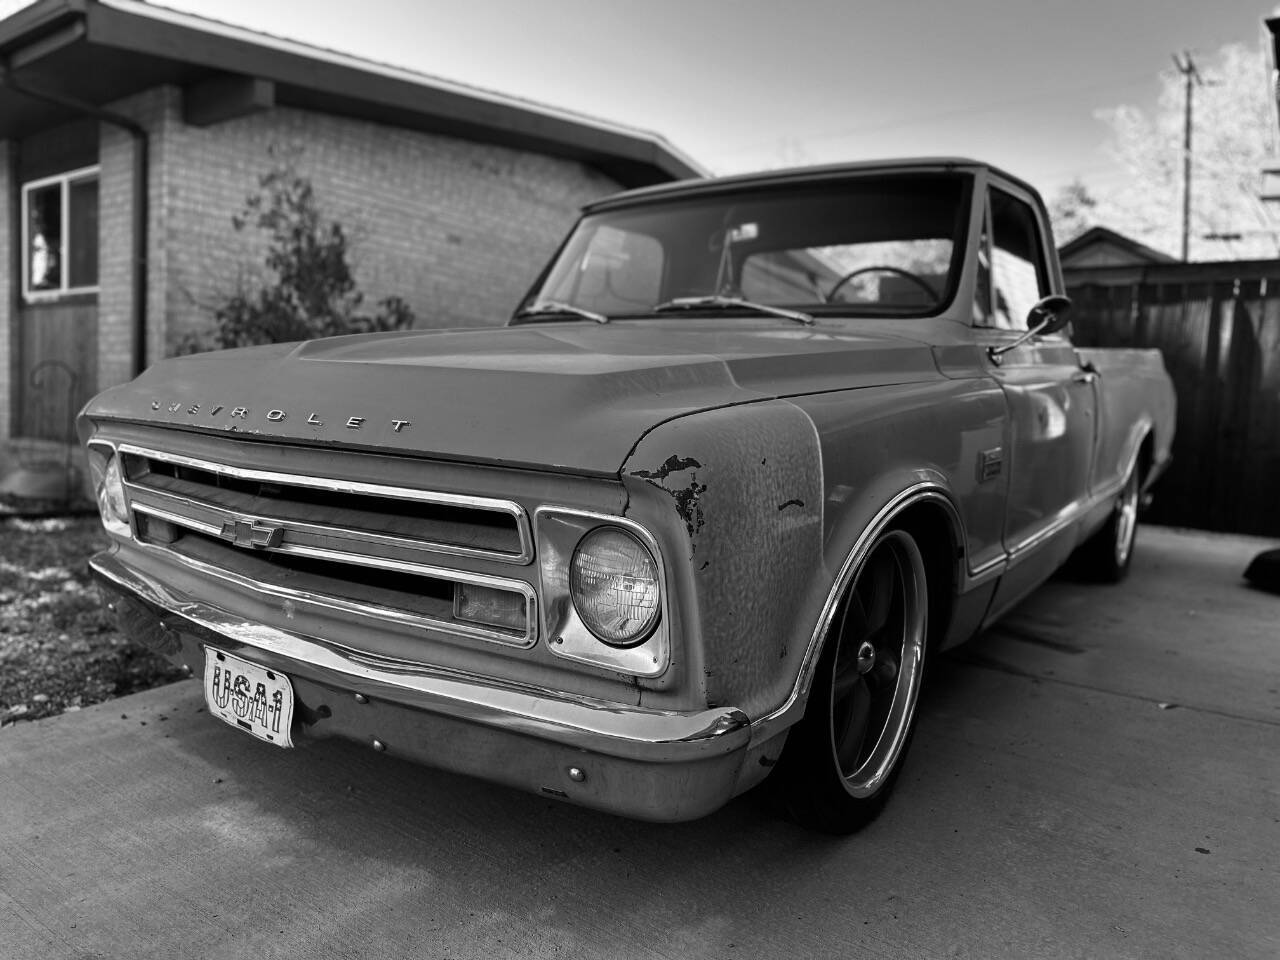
(686, 492)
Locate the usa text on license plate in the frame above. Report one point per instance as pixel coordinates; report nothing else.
(249, 696)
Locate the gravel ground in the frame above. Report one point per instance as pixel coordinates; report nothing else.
(57, 650)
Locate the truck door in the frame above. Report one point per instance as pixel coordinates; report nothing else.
(1050, 400)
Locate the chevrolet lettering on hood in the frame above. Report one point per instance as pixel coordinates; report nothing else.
(274, 415)
(747, 457)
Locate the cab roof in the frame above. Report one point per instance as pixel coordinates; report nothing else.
(815, 174)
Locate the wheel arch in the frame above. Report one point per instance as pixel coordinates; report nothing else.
(935, 529)
(927, 511)
(1146, 454)
(1139, 450)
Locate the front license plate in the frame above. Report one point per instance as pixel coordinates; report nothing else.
(251, 697)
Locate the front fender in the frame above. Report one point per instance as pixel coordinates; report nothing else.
(745, 484)
(769, 502)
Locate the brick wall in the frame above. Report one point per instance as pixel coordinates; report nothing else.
(117, 153)
(8, 316)
(458, 229)
(115, 263)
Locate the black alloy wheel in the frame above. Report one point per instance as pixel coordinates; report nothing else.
(843, 757)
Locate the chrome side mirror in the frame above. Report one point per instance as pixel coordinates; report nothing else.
(1048, 316)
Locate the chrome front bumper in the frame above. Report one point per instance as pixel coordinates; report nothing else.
(648, 764)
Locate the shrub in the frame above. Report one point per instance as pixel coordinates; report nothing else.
(308, 290)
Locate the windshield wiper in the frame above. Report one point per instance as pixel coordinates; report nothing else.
(732, 303)
(559, 308)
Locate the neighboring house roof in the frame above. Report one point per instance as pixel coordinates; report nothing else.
(1103, 247)
(99, 51)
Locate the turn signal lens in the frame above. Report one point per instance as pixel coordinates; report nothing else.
(493, 608)
(113, 493)
(108, 486)
(613, 581)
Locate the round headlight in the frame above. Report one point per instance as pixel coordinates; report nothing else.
(613, 581)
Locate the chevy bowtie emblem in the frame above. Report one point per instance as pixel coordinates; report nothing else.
(252, 533)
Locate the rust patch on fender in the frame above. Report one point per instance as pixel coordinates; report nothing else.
(686, 497)
(673, 464)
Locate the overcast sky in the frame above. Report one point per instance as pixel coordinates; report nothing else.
(759, 83)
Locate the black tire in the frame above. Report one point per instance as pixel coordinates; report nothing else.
(843, 757)
(1106, 556)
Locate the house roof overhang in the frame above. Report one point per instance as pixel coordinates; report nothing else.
(99, 51)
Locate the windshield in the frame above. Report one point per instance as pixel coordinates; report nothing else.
(884, 244)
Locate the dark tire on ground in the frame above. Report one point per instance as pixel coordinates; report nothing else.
(1264, 571)
(843, 757)
(1105, 557)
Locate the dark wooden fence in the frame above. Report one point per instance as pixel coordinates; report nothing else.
(1218, 325)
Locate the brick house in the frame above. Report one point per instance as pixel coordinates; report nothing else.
(131, 134)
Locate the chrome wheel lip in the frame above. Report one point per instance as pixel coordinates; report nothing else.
(871, 775)
(1126, 519)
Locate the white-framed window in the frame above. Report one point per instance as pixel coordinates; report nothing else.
(60, 234)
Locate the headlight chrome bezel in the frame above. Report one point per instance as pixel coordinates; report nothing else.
(560, 531)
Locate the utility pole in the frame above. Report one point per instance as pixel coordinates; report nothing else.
(1187, 67)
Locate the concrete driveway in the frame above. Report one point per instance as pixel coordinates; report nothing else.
(1099, 777)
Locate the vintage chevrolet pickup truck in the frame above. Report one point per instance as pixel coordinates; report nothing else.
(749, 454)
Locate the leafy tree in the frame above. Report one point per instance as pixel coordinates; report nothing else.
(1232, 139)
(1073, 211)
(308, 289)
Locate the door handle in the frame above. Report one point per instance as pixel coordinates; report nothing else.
(1084, 376)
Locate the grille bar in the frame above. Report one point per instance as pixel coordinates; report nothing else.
(363, 521)
(305, 599)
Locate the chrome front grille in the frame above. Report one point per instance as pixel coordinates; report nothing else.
(357, 518)
(365, 549)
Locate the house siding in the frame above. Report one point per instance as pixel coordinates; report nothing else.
(8, 294)
(115, 255)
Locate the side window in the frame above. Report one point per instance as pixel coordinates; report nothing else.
(1018, 273)
(982, 298)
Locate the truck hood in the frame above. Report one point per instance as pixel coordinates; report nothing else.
(568, 396)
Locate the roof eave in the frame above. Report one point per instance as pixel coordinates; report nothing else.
(313, 76)
(35, 21)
